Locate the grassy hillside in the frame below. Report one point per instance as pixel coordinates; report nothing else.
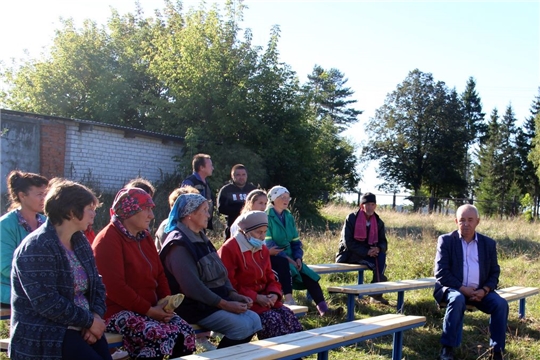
(412, 244)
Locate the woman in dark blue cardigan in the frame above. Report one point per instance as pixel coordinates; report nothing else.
(58, 299)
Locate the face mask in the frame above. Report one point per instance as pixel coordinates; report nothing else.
(256, 243)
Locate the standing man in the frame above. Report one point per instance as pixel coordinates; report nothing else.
(202, 168)
(231, 197)
(363, 241)
(467, 272)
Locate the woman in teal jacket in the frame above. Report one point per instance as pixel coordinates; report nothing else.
(27, 195)
(282, 232)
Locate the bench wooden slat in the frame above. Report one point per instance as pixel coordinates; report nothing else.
(382, 287)
(336, 267)
(313, 340)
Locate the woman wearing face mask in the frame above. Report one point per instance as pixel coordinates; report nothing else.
(257, 200)
(249, 270)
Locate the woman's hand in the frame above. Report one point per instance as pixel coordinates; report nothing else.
(88, 336)
(267, 300)
(95, 332)
(157, 313)
(274, 250)
(298, 264)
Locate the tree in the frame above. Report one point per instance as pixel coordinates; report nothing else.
(499, 166)
(194, 74)
(418, 137)
(487, 171)
(475, 126)
(329, 96)
(529, 181)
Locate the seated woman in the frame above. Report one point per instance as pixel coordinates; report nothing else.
(282, 233)
(194, 268)
(133, 275)
(58, 298)
(257, 200)
(248, 265)
(27, 195)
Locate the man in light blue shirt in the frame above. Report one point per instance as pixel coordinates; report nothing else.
(467, 272)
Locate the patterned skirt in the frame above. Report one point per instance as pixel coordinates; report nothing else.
(278, 321)
(146, 337)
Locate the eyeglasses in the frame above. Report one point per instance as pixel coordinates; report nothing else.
(285, 198)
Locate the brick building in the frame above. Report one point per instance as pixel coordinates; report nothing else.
(103, 155)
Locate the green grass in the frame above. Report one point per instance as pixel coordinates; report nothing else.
(412, 244)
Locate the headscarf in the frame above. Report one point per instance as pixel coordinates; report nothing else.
(252, 220)
(129, 202)
(276, 192)
(183, 206)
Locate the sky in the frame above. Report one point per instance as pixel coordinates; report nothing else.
(374, 43)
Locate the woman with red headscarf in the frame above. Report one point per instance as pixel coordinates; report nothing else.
(127, 259)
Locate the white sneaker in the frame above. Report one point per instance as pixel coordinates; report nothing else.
(119, 355)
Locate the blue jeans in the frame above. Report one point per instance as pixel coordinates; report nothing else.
(491, 304)
(233, 326)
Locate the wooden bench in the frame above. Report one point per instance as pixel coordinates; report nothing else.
(512, 293)
(400, 287)
(320, 340)
(114, 340)
(298, 310)
(340, 268)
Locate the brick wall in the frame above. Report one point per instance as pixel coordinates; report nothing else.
(106, 159)
(53, 149)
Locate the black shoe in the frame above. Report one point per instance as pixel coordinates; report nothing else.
(496, 355)
(447, 353)
(378, 299)
(337, 312)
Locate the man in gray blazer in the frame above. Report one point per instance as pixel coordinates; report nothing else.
(467, 272)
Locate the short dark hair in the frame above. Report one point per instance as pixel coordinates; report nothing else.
(199, 161)
(67, 198)
(19, 181)
(238, 167)
(141, 183)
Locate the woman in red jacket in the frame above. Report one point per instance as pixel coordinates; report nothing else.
(128, 261)
(250, 272)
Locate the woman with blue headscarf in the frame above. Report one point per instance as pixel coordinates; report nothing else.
(194, 269)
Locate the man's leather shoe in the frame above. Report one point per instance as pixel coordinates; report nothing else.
(447, 353)
(496, 355)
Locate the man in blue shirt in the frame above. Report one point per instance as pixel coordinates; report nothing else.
(202, 168)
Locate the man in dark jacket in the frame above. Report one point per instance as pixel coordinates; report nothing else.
(467, 272)
(363, 241)
(202, 168)
(231, 197)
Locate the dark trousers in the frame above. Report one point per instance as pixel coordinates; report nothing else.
(280, 265)
(75, 348)
(313, 288)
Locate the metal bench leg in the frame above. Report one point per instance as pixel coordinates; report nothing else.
(521, 308)
(323, 355)
(351, 298)
(397, 346)
(400, 301)
(360, 280)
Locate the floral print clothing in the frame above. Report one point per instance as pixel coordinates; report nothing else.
(278, 321)
(80, 280)
(145, 337)
(22, 221)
